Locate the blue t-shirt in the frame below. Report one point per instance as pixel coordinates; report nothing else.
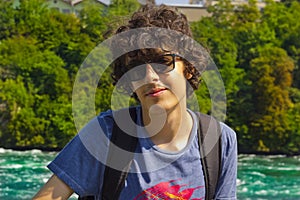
(154, 173)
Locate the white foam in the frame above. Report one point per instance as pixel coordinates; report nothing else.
(34, 151)
(260, 183)
(258, 174)
(240, 182)
(15, 166)
(261, 192)
(2, 150)
(286, 192)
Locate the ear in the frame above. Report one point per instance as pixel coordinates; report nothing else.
(188, 75)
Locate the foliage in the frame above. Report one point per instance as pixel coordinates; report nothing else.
(271, 77)
(35, 81)
(42, 50)
(257, 53)
(94, 20)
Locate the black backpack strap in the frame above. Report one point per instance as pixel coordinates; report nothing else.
(114, 179)
(87, 198)
(209, 138)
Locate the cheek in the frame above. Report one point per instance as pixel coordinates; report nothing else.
(177, 84)
(138, 93)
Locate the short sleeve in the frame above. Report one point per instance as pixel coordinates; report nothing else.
(227, 183)
(80, 164)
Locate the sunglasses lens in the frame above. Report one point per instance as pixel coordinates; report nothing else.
(161, 64)
(164, 64)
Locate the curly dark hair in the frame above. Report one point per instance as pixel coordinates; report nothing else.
(174, 35)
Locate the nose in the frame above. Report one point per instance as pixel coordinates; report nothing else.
(151, 74)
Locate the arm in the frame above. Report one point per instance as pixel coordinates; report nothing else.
(74, 161)
(54, 189)
(227, 182)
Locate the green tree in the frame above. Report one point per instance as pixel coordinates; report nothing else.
(249, 33)
(54, 31)
(271, 75)
(216, 34)
(293, 145)
(94, 21)
(237, 38)
(283, 19)
(7, 27)
(34, 89)
(123, 7)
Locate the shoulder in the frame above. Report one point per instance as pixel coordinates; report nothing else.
(105, 117)
(120, 114)
(228, 134)
(122, 117)
(109, 115)
(229, 140)
(100, 124)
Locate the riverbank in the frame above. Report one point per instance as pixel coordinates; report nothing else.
(48, 149)
(27, 148)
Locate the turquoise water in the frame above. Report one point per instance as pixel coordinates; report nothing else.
(259, 177)
(269, 177)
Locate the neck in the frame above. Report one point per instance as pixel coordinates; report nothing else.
(170, 129)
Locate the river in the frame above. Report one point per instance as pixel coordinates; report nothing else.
(22, 173)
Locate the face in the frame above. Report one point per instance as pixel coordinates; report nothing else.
(160, 82)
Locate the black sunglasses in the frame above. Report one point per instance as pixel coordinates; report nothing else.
(160, 64)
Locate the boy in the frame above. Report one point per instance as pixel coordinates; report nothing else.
(166, 164)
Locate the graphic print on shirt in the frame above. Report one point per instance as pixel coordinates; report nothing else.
(168, 191)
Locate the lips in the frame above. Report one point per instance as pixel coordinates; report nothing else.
(155, 92)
